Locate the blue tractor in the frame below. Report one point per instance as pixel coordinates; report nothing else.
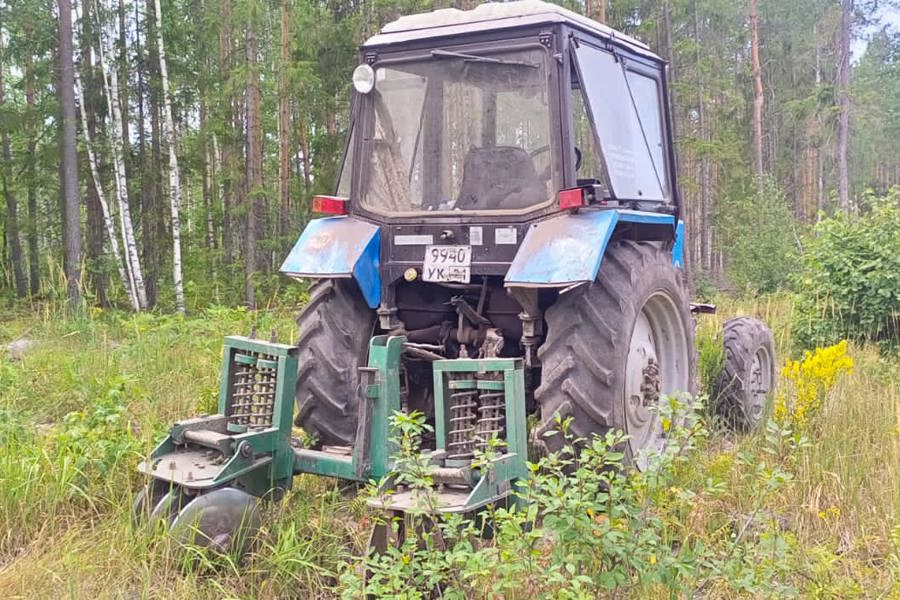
(508, 190)
(504, 246)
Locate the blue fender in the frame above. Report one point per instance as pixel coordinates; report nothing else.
(336, 247)
(678, 247)
(568, 249)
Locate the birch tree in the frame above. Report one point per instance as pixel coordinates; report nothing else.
(126, 278)
(111, 90)
(174, 173)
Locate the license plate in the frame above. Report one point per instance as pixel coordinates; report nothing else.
(447, 264)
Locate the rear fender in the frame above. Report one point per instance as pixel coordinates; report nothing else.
(339, 247)
(568, 249)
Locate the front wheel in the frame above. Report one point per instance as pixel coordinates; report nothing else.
(748, 373)
(615, 349)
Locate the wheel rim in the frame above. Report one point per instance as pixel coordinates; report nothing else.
(657, 366)
(760, 384)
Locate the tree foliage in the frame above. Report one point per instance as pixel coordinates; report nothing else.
(760, 238)
(850, 284)
(298, 141)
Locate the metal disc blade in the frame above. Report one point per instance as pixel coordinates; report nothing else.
(167, 506)
(222, 520)
(152, 499)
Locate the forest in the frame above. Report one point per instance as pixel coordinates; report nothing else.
(160, 159)
(198, 132)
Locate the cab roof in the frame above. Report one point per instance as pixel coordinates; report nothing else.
(493, 16)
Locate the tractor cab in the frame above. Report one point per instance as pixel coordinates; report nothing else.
(498, 109)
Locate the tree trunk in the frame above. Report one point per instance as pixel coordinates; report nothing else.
(843, 88)
(206, 168)
(30, 130)
(174, 173)
(69, 157)
(100, 196)
(12, 203)
(702, 228)
(254, 163)
(123, 77)
(227, 153)
(111, 87)
(154, 213)
(284, 125)
(758, 98)
(307, 162)
(94, 233)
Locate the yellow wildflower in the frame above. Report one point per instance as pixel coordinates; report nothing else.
(811, 379)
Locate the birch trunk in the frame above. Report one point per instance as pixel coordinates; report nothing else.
(174, 173)
(111, 88)
(127, 279)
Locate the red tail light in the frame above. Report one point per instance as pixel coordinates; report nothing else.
(329, 205)
(573, 198)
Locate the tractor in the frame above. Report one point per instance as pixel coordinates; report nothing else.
(504, 248)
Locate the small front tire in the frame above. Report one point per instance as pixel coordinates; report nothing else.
(741, 391)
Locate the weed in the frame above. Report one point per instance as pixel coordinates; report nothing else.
(767, 515)
(810, 380)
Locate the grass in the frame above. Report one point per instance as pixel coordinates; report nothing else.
(93, 394)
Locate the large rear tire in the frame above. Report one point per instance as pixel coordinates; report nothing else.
(613, 349)
(335, 328)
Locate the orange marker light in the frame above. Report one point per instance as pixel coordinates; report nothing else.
(329, 205)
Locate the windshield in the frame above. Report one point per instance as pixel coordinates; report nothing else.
(458, 131)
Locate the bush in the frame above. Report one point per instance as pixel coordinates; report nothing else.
(585, 527)
(759, 239)
(850, 283)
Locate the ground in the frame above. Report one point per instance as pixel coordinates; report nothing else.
(88, 397)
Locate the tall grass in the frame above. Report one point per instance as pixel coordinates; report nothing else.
(95, 392)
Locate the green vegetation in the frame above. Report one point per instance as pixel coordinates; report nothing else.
(760, 239)
(817, 504)
(850, 284)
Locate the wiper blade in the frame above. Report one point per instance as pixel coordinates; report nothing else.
(481, 59)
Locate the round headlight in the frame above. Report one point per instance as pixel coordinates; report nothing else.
(363, 79)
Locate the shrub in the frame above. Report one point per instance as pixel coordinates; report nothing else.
(759, 239)
(850, 283)
(586, 527)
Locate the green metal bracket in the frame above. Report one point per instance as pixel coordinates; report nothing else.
(248, 442)
(485, 484)
(379, 391)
